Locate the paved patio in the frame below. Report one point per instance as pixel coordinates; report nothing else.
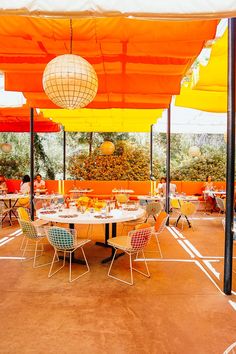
(180, 309)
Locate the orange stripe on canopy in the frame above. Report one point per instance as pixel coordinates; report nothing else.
(18, 120)
(139, 64)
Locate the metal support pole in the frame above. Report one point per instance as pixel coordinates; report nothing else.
(151, 152)
(64, 155)
(32, 163)
(168, 161)
(230, 169)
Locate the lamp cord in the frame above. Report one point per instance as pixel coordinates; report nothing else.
(71, 35)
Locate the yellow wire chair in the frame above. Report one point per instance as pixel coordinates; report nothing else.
(132, 244)
(187, 210)
(65, 241)
(153, 209)
(35, 237)
(23, 202)
(122, 198)
(23, 214)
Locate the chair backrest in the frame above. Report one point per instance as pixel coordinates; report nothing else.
(140, 238)
(23, 201)
(174, 203)
(188, 208)
(122, 198)
(28, 229)
(23, 214)
(220, 203)
(61, 238)
(161, 220)
(153, 208)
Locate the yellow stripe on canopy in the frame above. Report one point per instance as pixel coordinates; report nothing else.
(213, 76)
(104, 120)
(207, 90)
(208, 101)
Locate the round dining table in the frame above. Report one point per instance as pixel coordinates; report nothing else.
(73, 217)
(10, 201)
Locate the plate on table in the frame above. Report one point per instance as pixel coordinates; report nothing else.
(68, 216)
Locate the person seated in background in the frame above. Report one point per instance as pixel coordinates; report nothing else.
(25, 185)
(39, 183)
(209, 193)
(208, 185)
(3, 184)
(161, 185)
(161, 188)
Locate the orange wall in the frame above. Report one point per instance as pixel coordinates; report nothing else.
(105, 187)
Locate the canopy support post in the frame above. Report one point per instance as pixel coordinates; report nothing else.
(151, 152)
(64, 155)
(32, 163)
(168, 162)
(230, 169)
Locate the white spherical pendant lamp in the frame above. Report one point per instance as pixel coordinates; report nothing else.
(6, 147)
(70, 81)
(194, 151)
(107, 148)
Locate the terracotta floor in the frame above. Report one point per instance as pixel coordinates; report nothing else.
(180, 309)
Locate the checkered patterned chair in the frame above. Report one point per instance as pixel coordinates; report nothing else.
(23, 214)
(32, 236)
(66, 241)
(132, 244)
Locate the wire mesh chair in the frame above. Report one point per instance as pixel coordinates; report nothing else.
(132, 244)
(122, 198)
(187, 210)
(221, 205)
(159, 228)
(153, 209)
(23, 214)
(35, 236)
(66, 241)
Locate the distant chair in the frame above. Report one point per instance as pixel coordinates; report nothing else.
(221, 205)
(23, 214)
(34, 236)
(132, 244)
(153, 209)
(159, 228)
(23, 202)
(66, 241)
(187, 210)
(122, 198)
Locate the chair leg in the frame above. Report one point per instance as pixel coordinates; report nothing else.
(79, 276)
(147, 274)
(22, 243)
(131, 270)
(109, 270)
(50, 274)
(158, 245)
(35, 256)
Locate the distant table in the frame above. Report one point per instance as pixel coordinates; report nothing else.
(40, 191)
(10, 201)
(214, 192)
(72, 217)
(149, 198)
(76, 193)
(48, 196)
(122, 191)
